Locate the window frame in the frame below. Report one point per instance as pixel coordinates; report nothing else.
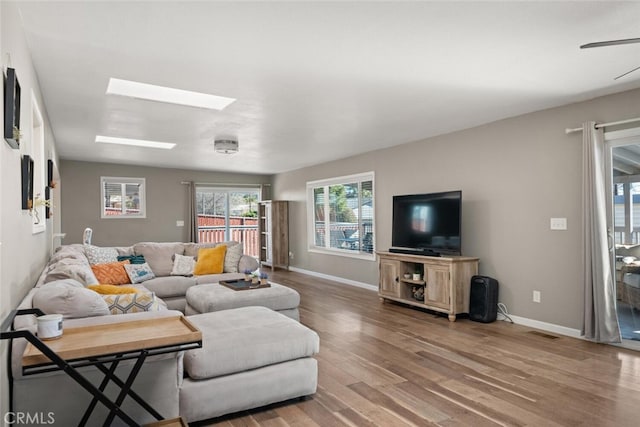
(124, 180)
(325, 184)
(227, 190)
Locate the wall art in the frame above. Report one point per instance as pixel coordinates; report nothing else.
(12, 109)
(27, 182)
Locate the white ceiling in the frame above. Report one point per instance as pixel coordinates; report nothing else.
(314, 81)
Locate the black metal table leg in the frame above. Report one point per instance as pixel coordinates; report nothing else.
(127, 386)
(135, 396)
(108, 375)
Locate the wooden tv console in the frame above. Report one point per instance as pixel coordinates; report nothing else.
(445, 280)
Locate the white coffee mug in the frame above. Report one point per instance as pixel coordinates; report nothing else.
(50, 326)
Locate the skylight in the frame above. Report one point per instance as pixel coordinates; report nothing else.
(167, 94)
(136, 142)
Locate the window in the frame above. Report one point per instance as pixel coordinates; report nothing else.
(228, 214)
(123, 197)
(341, 215)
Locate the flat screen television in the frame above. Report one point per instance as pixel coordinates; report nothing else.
(428, 224)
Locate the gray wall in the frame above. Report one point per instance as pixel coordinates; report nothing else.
(166, 201)
(514, 174)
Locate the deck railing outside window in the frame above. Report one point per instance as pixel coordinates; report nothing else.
(211, 228)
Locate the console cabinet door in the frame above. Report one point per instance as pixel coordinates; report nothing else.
(389, 278)
(437, 289)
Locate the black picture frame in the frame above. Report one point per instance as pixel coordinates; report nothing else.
(12, 109)
(50, 174)
(27, 182)
(47, 196)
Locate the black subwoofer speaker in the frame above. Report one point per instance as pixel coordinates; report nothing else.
(483, 304)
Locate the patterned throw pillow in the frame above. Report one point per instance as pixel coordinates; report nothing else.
(112, 273)
(133, 259)
(98, 255)
(139, 273)
(183, 265)
(232, 258)
(210, 261)
(131, 303)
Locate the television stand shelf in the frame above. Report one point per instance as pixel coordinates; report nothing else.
(446, 281)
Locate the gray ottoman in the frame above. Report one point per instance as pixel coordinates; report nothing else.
(215, 297)
(250, 357)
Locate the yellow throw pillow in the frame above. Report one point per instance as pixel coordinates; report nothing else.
(113, 289)
(210, 261)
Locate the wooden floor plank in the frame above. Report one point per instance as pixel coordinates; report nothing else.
(386, 364)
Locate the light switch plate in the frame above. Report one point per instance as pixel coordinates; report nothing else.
(179, 223)
(558, 223)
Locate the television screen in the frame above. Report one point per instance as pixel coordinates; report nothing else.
(428, 221)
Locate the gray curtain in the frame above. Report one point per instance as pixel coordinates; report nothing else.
(600, 318)
(192, 216)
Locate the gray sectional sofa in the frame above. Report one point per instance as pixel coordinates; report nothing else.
(251, 356)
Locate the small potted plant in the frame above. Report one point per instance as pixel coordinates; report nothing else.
(263, 278)
(254, 279)
(247, 275)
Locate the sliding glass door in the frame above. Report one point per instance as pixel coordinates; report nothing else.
(623, 149)
(228, 214)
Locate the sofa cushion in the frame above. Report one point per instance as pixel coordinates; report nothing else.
(139, 273)
(70, 268)
(210, 260)
(159, 256)
(125, 250)
(183, 265)
(246, 338)
(131, 303)
(216, 278)
(111, 273)
(247, 263)
(69, 298)
(68, 252)
(232, 257)
(170, 286)
(191, 249)
(98, 255)
(213, 297)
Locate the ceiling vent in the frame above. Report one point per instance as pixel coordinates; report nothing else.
(225, 146)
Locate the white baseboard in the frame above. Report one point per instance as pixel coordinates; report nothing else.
(336, 279)
(549, 327)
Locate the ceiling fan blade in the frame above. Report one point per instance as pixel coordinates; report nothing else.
(609, 43)
(628, 72)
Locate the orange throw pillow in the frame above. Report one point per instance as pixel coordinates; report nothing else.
(210, 260)
(111, 273)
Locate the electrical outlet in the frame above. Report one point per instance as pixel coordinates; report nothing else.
(179, 223)
(290, 255)
(558, 223)
(536, 296)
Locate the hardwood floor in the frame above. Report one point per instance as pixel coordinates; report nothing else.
(384, 364)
